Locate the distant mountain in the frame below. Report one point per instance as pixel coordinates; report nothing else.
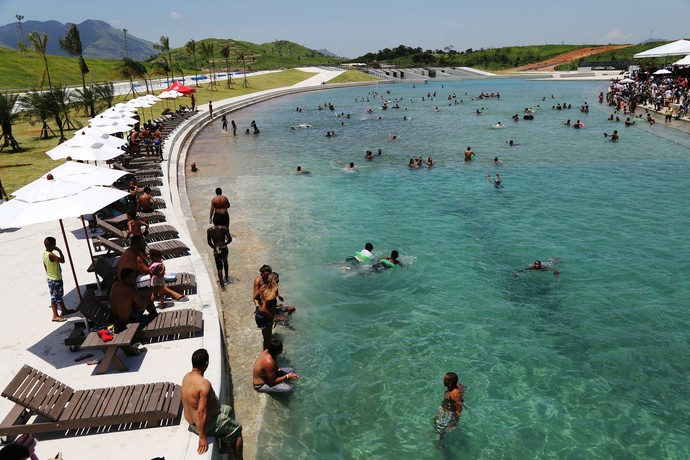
(654, 40)
(99, 39)
(327, 53)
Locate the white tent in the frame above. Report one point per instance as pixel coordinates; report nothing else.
(683, 62)
(677, 48)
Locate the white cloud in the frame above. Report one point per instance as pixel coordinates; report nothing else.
(175, 15)
(616, 36)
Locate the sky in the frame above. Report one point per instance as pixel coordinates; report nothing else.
(352, 28)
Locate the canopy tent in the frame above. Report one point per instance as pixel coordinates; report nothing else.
(677, 48)
(180, 88)
(683, 62)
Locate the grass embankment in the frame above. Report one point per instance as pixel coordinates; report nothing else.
(18, 169)
(623, 55)
(22, 72)
(352, 76)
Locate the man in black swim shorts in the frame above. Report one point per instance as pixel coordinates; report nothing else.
(218, 237)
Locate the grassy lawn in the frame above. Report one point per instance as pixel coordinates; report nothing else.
(18, 169)
(351, 76)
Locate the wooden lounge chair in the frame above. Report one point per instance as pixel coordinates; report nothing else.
(57, 407)
(150, 217)
(181, 323)
(169, 248)
(158, 232)
(185, 283)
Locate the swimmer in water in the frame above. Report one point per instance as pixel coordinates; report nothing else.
(430, 162)
(385, 263)
(299, 170)
(349, 167)
(538, 266)
(451, 408)
(469, 154)
(498, 181)
(614, 135)
(369, 155)
(497, 162)
(511, 143)
(488, 178)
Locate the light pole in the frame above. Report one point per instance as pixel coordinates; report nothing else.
(126, 48)
(21, 33)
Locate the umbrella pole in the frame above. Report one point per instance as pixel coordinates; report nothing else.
(69, 255)
(88, 245)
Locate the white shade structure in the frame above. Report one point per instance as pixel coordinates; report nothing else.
(172, 94)
(662, 72)
(83, 174)
(99, 133)
(124, 118)
(111, 126)
(683, 62)
(85, 148)
(677, 48)
(49, 199)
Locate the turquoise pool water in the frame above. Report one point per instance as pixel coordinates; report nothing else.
(591, 365)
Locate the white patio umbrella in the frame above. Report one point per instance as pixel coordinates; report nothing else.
(627, 80)
(662, 72)
(111, 126)
(83, 174)
(86, 148)
(104, 136)
(121, 117)
(172, 94)
(49, 199)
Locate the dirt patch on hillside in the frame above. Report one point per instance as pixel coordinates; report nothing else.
(551, 63)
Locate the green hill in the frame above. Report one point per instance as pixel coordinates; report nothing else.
(268, 56)
(22, 72)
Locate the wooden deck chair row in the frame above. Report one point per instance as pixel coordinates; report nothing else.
(150, 217)
(170, 248)
(156, 232)
(182, 323)
(184, 283)
(56, 407)
(140, 169)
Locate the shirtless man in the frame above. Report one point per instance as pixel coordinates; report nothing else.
(134, 226)
(267, 377)
(453, 402)
(126, 306)
(538, 266)
(219, 209)
(204, 413)
(218, 237)
(145, 201)
(259, 281)
(469, 154)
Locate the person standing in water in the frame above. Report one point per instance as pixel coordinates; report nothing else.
(219, 209)
(451, 407)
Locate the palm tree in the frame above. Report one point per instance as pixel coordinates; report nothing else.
(190, 47)
(164, 45)
(58, 104)
(71, 44)
(160, 68)
(242, 58)
(35, 109)
(104, 94)
(86, 98)
(225, 52)
(207, 52)
(8, 115)
(130, 70)
(38, 43)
